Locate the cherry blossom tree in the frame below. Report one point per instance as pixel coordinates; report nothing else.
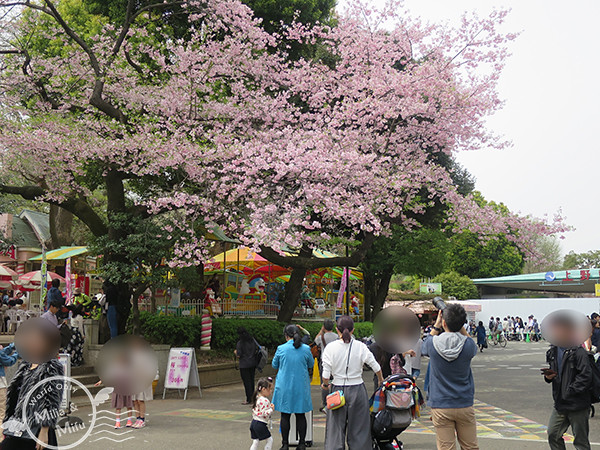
(224, 127)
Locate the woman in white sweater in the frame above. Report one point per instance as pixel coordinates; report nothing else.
(344, 360)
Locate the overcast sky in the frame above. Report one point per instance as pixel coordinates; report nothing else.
(551, 88)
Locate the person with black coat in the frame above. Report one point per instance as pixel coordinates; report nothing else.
(34, 395)
(245, 351)
(570, 372)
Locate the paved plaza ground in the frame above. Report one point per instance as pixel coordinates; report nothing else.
(513, 406)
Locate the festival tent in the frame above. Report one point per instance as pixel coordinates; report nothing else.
(243, 260)
(246, 261)
(62, 253)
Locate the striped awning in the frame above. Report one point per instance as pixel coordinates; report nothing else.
(62, 253)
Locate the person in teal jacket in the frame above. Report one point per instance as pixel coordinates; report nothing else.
(294, 362)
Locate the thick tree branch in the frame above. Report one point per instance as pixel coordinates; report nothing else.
(86, 48)
(28, 4)
(77, 206)
(310, 262)
(96, 98)
(131, 16)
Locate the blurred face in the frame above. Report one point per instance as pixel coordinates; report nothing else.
(53, 309)
(127, 363)
(563, 335)
(37, 340)
(566, 328)
(396, 329)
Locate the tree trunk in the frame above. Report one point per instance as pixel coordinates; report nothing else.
(116, 207)
(136, 325)
(293, 290)
(370, 293)
(198, 291)
(153, 301)
(383, 286)
(61, 226)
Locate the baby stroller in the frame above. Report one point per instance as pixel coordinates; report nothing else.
(393, 407)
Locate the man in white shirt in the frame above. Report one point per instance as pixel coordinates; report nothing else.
(50, 315)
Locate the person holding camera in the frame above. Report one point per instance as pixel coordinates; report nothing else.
(451, 385)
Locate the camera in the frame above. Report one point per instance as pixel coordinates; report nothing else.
(439, 303)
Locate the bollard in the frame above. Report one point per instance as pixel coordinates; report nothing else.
(206, 332)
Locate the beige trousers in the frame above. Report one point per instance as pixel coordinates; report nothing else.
(454, 423)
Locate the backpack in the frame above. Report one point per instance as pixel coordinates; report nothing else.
(261, 356)
(315, 350)
(595, 390)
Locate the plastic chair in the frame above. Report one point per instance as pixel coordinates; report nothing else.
(13, 319)
(22, 315)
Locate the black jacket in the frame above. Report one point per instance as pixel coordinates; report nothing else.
(571, 388)
(246, 352)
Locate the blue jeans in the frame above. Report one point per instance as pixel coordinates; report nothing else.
(111, 317)
(416, 373)
(426, 386)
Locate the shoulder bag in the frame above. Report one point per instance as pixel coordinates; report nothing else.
(336, 399)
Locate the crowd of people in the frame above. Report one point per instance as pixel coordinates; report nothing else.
(341, 359)
(449, 382)
(510, 327)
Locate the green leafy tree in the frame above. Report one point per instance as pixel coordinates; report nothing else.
(550, 255)
(420, 252)
(275, 15)
(496, 257)
(456, 285)
(584, 260)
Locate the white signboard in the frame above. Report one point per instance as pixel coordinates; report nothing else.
(182, 370)
(65, 360)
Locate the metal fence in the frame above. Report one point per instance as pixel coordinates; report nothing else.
(248, 307)
(229, 307)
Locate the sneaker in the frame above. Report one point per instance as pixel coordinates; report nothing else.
(118, 424)
(129, 423)
(139, 424)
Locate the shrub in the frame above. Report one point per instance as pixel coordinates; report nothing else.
(456, 285)
(171, 330)
(185, 331)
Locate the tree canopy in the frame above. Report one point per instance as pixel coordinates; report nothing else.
(227, 127)
(456, 285)
(585, 260)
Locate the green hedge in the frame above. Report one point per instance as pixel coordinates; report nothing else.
(185, 331)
